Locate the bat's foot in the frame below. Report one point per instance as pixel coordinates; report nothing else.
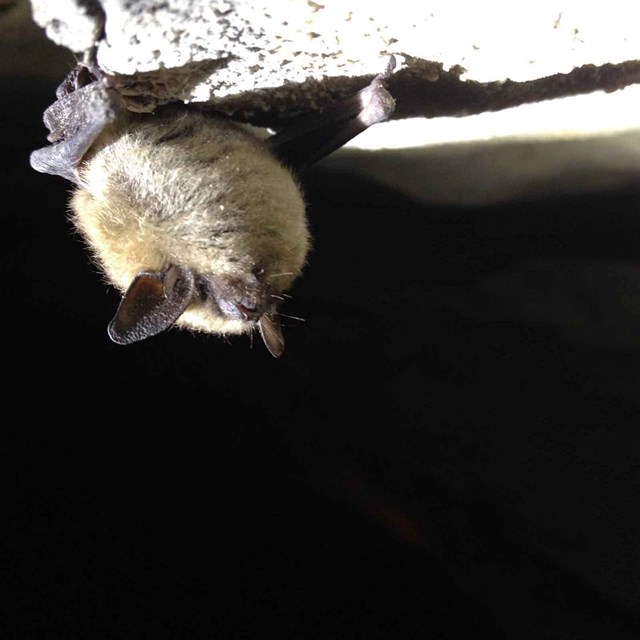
(74, 121)
(376, 102)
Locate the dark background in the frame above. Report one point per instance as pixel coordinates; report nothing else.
(447, 449)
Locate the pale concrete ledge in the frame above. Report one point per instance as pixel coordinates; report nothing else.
(258, 61)
(456, 57)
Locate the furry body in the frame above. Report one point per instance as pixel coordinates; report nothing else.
(192, 217)
(199, 192)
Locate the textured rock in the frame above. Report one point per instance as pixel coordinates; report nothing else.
(299, 54)
(260, 61)
(75, 24)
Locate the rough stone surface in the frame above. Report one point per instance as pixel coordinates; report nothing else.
(260, 61)
(75, 24)
(299, 54)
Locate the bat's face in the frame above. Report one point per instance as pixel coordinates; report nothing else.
(196, 222)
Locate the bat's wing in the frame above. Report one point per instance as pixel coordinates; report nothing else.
(309, 138)
(74, 122)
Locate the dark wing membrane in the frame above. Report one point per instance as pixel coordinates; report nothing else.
(310, 137)
(74, 121)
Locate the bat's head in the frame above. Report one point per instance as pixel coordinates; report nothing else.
(197, 224)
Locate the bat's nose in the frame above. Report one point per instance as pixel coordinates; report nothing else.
(241, 304)
(239, 299)
(248, 310)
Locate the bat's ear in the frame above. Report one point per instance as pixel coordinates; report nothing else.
(271, 332)
(153, 302)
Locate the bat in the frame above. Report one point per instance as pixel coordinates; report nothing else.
(197, 221)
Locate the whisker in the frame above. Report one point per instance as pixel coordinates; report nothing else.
(251, 332)
(284, 315)
(273, 295)
(284, 273)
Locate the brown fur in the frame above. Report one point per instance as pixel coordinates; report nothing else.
(195, 191)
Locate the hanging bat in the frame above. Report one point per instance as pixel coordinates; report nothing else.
(198, 222)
